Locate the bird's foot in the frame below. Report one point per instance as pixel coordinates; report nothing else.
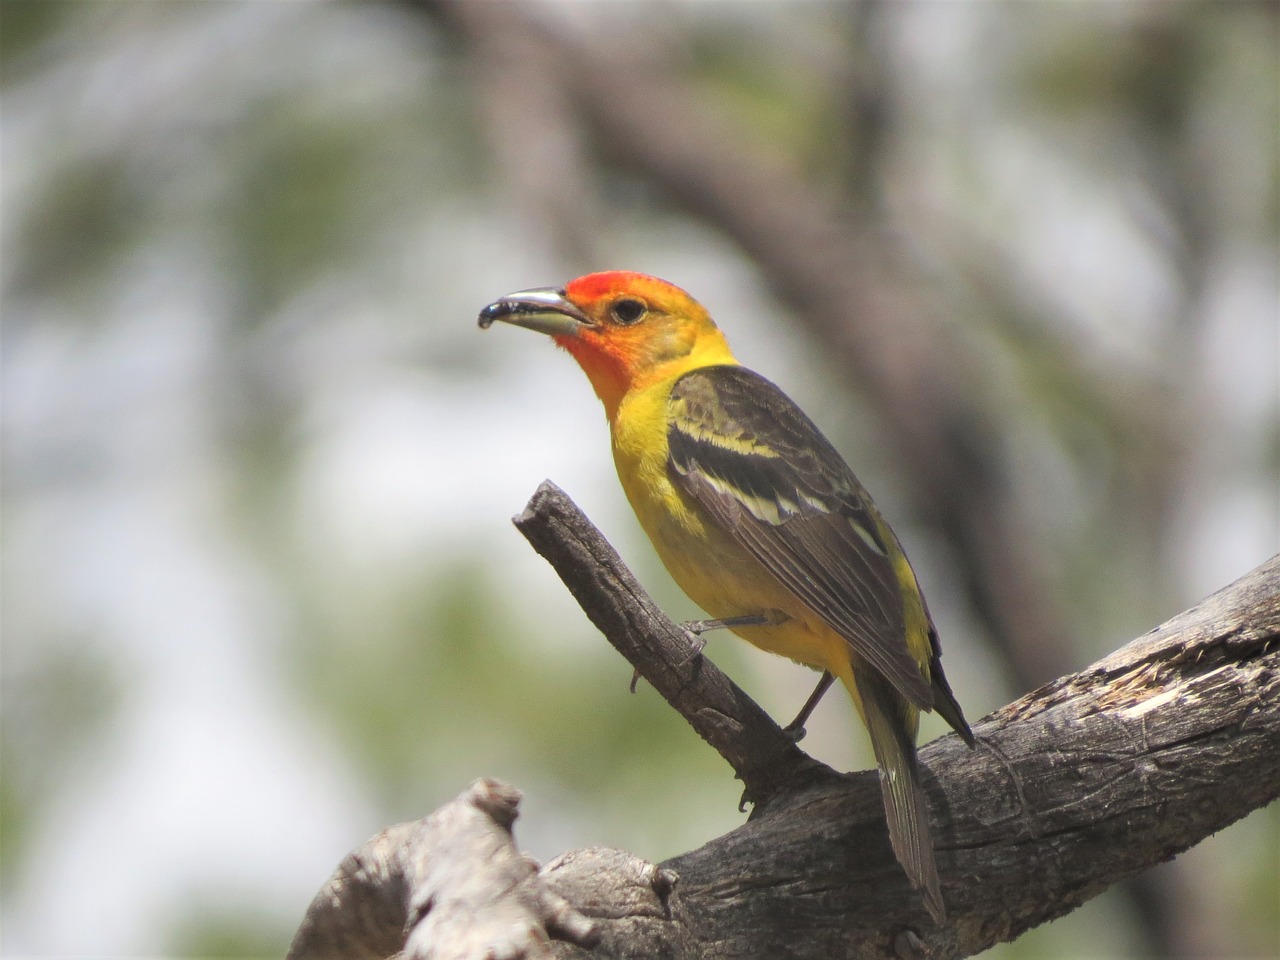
(795, 729)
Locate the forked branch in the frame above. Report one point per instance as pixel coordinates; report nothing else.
(1087, 780)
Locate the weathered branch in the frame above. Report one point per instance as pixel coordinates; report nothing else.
(761, 755)
(451, 886)
(1085, 781)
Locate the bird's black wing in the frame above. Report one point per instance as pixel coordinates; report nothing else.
(766, 475)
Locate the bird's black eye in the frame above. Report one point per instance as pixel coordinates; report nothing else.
(628, 311)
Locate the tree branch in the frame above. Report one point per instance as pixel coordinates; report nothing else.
(762, 756)
(451, 886)
(1085, 781)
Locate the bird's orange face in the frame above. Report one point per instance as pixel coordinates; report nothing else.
(623, 328)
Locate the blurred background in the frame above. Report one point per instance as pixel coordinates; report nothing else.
(261, 592)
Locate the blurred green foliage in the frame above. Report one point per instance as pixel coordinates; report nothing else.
(311, 176)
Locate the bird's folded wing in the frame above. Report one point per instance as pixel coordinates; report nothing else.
(766, 475)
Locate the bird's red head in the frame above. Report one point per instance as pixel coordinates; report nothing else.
(625, 329)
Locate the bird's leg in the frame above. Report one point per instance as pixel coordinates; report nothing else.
(769, 618)
(795, 729)
(696, 629)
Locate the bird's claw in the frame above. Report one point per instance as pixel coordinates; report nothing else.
(795, 732)
(697, 643)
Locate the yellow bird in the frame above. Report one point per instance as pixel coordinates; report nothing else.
(757, 517)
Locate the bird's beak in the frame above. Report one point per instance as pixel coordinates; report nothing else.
(544, 309)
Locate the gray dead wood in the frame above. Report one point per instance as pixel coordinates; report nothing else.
(451, 886)
(1083, 782)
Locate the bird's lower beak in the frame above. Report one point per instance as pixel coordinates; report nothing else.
(544, 309)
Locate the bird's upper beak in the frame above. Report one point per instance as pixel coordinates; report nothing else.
(544, 309)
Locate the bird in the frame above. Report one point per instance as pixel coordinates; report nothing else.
(758, 518)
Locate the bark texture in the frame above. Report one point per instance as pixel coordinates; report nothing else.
(1085, 781)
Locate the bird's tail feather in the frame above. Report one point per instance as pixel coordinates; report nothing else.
(892, 738)
(944, 701)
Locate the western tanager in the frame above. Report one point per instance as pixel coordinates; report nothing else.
(757, 517)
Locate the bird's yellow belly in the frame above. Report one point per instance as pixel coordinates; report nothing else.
(732, 584)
